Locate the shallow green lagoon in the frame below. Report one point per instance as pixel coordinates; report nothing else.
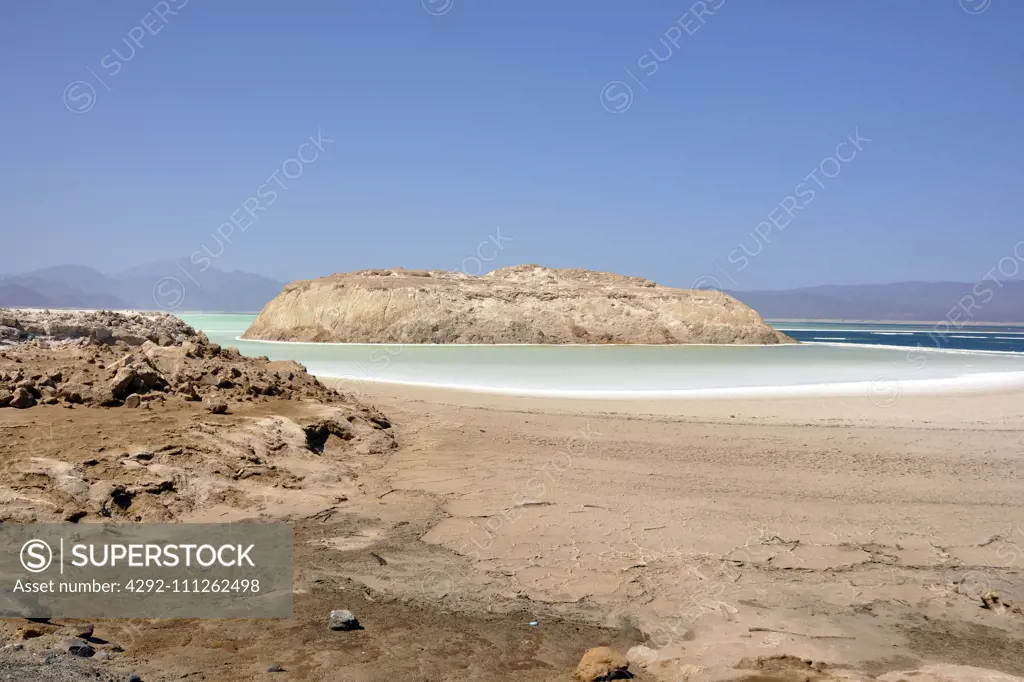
(640, 371)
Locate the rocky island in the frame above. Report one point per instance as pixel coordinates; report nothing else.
(526, 304)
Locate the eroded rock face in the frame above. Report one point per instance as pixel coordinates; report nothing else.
(82, 369)
(194, 425)
(521, 304)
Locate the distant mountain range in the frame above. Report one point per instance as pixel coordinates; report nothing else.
(166, 286)
(155, 286)
(986, 301)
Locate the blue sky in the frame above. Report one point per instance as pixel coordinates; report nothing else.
(452, 119)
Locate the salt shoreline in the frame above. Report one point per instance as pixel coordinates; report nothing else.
(880, 388)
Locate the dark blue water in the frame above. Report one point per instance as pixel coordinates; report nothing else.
(991, 338)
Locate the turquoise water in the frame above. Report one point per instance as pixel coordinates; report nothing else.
(649, 371)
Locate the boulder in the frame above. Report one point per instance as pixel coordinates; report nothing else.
(76, 647)
(215, 405)
(79, 630)
(73, 393)
(169, 360)
(5, 397)
(123, 382)
(22, 398)
(150, 378)
(602, 663)
(29, 385)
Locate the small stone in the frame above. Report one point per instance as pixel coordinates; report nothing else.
(216, 405)
(133, 400)
(602, 663)
(343, 620)
(5, 397)
(102, 656)
(76, 647)
(275, 669)
(134, 678)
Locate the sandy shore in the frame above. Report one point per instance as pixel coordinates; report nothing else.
(489, 537)
(831, 529)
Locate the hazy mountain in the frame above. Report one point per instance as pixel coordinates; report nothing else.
(165, 285)
(987, 301)
(154, 286)
(55, 288)
(13, 295)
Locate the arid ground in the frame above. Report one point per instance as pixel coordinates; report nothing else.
(491, 538)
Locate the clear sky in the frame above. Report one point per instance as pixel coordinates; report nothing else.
(645, 137)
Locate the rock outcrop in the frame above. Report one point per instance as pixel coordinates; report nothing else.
(521, 304)
(102, 327)
(104, 359)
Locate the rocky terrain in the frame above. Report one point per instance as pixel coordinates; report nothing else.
(496, 540)
(141, 419)
(151, 432)
(521, 304)
(102, 327)
(114, 359)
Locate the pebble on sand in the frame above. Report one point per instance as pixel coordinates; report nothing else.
(343, 620)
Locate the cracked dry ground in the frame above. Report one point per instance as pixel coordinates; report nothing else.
(731, 539)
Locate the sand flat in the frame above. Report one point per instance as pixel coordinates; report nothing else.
(829, 528)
